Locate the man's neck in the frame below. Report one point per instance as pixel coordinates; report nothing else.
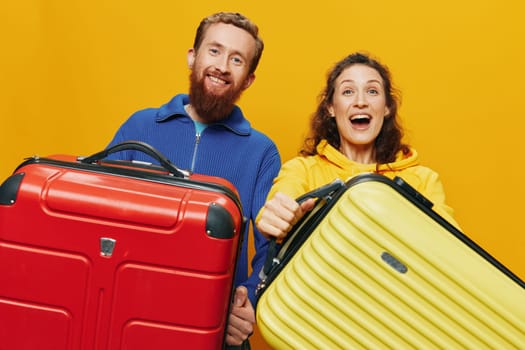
(193, 114)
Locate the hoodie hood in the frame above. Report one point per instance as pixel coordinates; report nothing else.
(332, 155)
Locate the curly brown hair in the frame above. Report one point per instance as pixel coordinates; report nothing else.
(237, 20)
(322, 126)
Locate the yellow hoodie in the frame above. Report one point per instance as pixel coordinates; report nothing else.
(303, 174)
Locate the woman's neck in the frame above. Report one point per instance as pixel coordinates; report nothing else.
(363, 154)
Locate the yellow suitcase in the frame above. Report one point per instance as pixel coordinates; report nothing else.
(374, 267)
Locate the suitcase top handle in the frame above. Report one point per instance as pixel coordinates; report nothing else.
(323, 192)
(135, 146)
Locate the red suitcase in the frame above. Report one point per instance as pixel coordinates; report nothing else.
(115, 255)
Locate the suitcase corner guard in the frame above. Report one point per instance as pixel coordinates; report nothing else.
(219, 222)
(9, 189)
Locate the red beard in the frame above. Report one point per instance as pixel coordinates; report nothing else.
(211, 107)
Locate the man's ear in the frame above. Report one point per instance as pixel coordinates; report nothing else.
(249, 80)
(191, 58)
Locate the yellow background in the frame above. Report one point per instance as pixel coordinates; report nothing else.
(72, 71)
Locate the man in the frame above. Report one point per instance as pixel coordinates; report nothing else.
(207, 133)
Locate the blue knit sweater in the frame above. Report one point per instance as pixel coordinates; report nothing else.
(230, 149)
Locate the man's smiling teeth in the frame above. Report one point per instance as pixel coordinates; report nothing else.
(216, 80)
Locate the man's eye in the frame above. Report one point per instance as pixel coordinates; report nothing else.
(237, 60)
(214, 51)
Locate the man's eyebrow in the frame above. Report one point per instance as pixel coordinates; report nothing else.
(215, 43)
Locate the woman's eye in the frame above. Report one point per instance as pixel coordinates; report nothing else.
(373, 91)
(347, 92)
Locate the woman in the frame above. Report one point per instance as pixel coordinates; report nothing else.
(354, 130)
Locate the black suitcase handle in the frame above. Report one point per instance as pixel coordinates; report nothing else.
(322, 192)
(135, 146)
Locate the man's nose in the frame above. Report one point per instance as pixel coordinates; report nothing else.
(222, 63)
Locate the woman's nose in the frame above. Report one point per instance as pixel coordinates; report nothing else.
(360, 99)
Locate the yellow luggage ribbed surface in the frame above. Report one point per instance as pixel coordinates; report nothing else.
(379, 273)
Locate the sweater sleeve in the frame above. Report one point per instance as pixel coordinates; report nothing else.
(268, 171)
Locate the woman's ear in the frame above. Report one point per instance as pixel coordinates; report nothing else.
(330, 109)
(387, 112)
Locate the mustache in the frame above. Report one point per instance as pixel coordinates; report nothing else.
(226, 76)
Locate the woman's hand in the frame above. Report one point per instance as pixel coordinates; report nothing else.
(280, 214)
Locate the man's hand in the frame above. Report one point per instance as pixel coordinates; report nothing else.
(241, 319)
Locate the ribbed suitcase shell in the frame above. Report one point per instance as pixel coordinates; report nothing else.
(167, 283)
(380, 272)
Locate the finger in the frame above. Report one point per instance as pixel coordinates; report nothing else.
(276, 209)
(307, 205)
(241, 295)
(271, 224)
(271, 230)
(242, 312)
(233, 340)
(240, 328)
(286, 202)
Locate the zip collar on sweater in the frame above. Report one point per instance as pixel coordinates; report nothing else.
(235, 122)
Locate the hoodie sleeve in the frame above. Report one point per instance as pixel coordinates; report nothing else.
(432, 188)
(292, 180)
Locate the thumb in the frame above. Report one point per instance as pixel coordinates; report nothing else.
(241, 295)
(307, 205)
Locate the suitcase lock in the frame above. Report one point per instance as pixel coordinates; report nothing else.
(107, 245)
